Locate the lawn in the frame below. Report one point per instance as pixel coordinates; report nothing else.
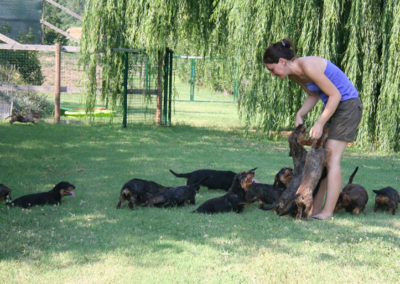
(87, 240)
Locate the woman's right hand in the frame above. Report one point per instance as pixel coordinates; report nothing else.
(299, 120)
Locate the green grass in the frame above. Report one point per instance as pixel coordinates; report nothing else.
(87, 240)
(209, 108)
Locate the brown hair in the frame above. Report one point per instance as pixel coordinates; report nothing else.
(280, 49)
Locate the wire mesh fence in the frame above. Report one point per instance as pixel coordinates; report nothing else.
(28, 78)
(205, 79)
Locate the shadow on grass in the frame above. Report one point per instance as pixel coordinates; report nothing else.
(99, 160)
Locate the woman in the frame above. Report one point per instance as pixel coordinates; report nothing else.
(321, 79)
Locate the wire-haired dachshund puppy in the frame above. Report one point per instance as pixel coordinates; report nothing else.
(138, 191)
(51, 197)
(386, 199)
(176, 196)
(266, 193)
(5, 192)
(312, 173)
(298, 154)
(215, 179)
(233, 200)
(353, 197)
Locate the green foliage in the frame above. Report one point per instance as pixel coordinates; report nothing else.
(25, 62)
(361, 37)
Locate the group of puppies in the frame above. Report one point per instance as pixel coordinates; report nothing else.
(292, 192)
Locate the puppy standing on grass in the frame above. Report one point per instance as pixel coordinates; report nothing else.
(353, 197)
(212, 179)
(386, 199)
(51, 197)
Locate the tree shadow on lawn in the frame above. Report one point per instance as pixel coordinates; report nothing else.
(99, 160)
(90, 229)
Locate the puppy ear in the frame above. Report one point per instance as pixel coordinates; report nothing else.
(346, 198)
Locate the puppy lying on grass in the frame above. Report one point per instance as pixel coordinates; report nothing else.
(51, 197)
(138, 191)
(266, 193)
(176, 196)
(233, 200)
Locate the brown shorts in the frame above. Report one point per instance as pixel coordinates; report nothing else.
(344, 122)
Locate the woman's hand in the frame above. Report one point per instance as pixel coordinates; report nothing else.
(299, 119)
(316, 131)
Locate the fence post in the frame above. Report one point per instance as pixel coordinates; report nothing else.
(166, 81)
(159, 88)
(192, 78)
(57, 83)
(170, 87)
(126, 61)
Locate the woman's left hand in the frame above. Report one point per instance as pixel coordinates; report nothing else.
(316, 131)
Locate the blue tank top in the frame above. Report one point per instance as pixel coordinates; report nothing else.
(339, 79)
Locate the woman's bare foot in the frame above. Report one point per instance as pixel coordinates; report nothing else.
(321, 217)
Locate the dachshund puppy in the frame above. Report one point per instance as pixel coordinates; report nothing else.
(386, 199)
(233, 200)
(51, 197)
(138, 191)
(212, 179)
(5, 192)
(312, 173)
(298, 154)
(265, 193)
(176, 196)
(353, 197)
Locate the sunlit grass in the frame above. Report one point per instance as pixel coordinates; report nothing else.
(86, 239)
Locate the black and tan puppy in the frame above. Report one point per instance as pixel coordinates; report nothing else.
(353, 197)
(5, 192)
(266, 193)
(312, 173)
(212, 179)
(386, 199)
(298, 154)
(176, 196)
(51, 197)
(138, 191)
(233, 200)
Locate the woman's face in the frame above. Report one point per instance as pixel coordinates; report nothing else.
(277, 69)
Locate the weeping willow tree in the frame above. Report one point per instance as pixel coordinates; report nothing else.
(360, 36)
(388, 114)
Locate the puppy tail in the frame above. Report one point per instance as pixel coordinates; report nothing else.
(352, 175)
(179, 175)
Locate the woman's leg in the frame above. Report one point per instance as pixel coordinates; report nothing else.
(333, 180)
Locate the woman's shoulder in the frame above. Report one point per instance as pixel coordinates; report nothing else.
(312, 64)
